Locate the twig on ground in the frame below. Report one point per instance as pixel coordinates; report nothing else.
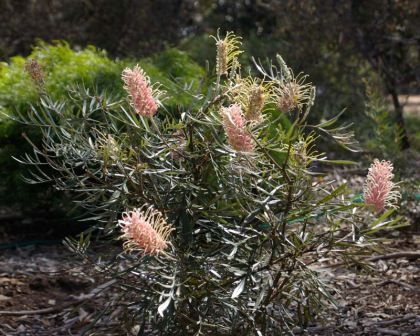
(36, 311)
(400, 283)
(397, 320)
(78, 300)
(409, 255)
(386, 331)
(312, 330)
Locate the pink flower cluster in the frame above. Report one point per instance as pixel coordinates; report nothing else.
(234, 124)
(145, 230)
(379, 190)
(137, 85)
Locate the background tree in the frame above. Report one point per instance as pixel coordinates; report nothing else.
(387, 34)
(123, 28)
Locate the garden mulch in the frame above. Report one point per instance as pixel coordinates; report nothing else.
(46, 290)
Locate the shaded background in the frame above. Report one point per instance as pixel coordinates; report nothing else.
(358, 53)
(337, 42)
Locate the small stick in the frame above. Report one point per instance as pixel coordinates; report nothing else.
(386, 331)
(312, 330)
(92, 293)
(397, 320)
(395, 255)
(401, 283)
(36, 311)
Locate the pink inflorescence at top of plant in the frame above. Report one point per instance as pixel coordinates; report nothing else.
(145, 230)
(379, 190)
(138, 86)
(234, 124)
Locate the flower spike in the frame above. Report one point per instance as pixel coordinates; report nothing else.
(252, 96)
(146, 230)
(227, 52)
(234, 124)
(140, 91)
(379, 190)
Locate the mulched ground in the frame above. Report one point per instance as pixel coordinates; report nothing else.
(385, 301)
(51, 293)
(46, 290)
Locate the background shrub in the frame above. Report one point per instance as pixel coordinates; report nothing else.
(64, 68)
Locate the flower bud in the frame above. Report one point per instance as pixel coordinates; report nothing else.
(256, 103)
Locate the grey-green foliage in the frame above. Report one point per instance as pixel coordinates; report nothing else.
(249, 228)
(64, 67)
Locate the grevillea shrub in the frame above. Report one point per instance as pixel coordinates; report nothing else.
(221, 218)
(50, 70)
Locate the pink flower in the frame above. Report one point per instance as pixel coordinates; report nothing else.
(145, 230)
(138, 87)
(379, 190)
(235, 127)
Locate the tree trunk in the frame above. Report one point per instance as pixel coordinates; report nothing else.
(399, 118)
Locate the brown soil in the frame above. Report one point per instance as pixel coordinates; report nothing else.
(49, 292)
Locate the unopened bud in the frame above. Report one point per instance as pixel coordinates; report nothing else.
(33, 68)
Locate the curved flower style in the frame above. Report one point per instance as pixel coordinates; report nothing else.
(379, 190)
(145, 230)
(255, 103)
(293, 95)
(234, 124)
(251, 95)
(292, 91)
(227, 52)
(140, 91)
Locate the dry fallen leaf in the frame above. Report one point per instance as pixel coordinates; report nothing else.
(11, 281)
(4, 298)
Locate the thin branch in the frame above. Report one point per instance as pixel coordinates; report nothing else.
(400, 283)
(409, 255)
